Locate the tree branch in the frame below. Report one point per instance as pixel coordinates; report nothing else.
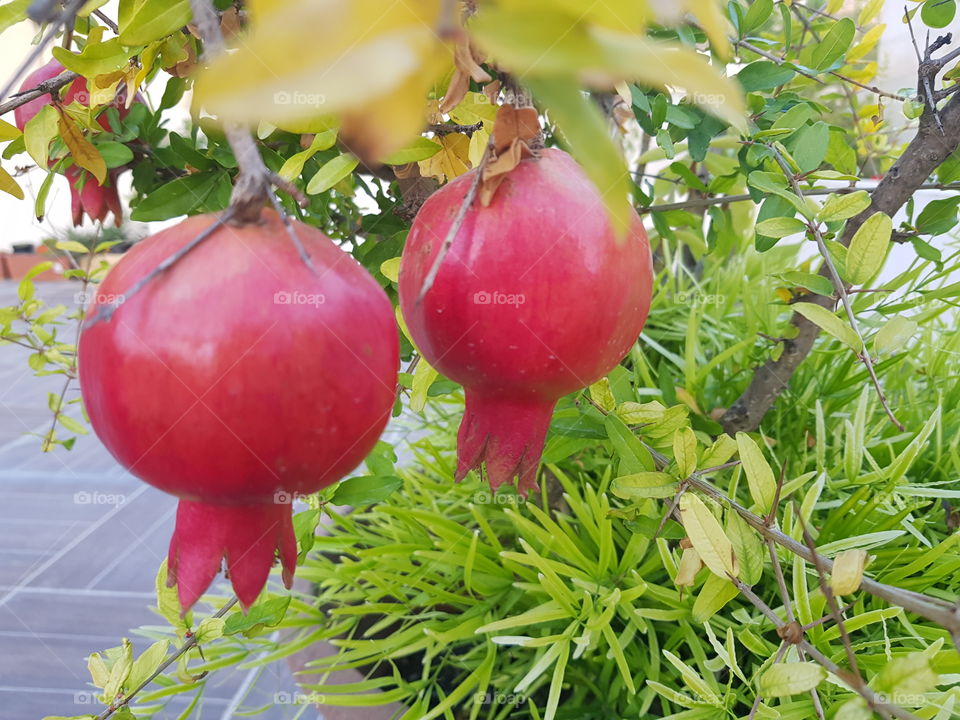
(47, 86)
(925, 153)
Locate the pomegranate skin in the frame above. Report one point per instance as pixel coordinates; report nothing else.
(535, 299)
(87, 196)
(236, 380)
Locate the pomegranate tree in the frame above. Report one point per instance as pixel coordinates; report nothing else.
(535, 299)
(236, 380)
(88, 197)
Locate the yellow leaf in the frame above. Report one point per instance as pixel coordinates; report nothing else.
(763, 488)
(39, 131)
(685, 451)
(391, 269)
(585, 133)
(601, 394)
(9, 185)
(351, 54)
(868, 43)
(847, 573)
(478, 145)
(708, 537)
(715, 23)
(538, 44)
(423, 378)
(474, 108)
(870, 12)
(82, 150)
(8, 131)
(690, 564)
(451, 161)
(868, 248)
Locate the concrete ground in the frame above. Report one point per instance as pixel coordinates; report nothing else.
(80, 544)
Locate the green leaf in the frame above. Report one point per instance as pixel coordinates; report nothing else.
(365, 490)
(114, 154)
(785, 679)
(178, 197)
(763, 487)
(293, 165)
(634, 457)
(38, 132)
(647, 484)
(868, 248)
(764, 75)
(264, 614)
(715, 593)
(829, 322)
(585, 132)
(96, 59)
(892, 336)
(332, 172)
(209, 629)
(808, 281)
(748, 547)
(147, 663)
(834, 44)
(781, 227)
(810, 146)
(143, 21)
(759, 12)
(420, 149)
(841, 207)
(938, 13)
(939, 216)
(908, 675)
(13, 12)
(685, 451)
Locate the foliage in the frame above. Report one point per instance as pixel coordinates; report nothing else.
(584, 602)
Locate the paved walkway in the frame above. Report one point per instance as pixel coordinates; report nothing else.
(80, 543)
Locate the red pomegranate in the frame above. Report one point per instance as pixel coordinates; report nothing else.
(87, 196)
(236, 380)
(535, 299)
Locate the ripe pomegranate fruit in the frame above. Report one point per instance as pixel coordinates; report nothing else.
(88, 197)
(236, 380)
(535, 299)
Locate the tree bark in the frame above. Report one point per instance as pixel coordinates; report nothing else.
(929, 149)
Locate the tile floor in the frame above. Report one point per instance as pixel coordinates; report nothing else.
(80, 543)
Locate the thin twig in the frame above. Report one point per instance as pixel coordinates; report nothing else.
(63, 18)
(189, 643)
(934, 609)
(745, 197)
(457, 223)
(853, 679)
(47, 86)
(841, 287)
(105, 19)
(450, 128)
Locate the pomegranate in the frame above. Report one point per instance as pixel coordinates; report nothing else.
(236, 380)
(87, 196)
(535, 299)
